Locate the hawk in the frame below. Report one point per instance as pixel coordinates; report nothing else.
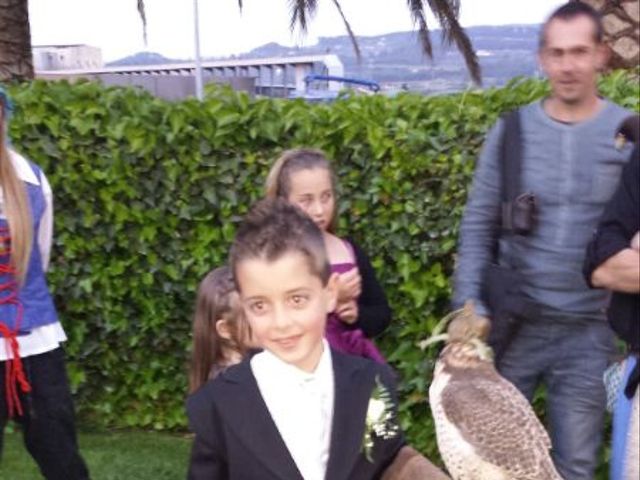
(485, 428)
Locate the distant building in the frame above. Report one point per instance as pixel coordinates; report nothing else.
(274, 77)
(66, 57)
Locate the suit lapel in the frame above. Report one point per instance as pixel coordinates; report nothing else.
(354, 381)
(248, 416)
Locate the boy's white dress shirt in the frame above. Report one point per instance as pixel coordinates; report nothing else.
(48, 337)
(301, 406)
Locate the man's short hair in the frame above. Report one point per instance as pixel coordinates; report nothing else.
(569, 11)
(274, 227)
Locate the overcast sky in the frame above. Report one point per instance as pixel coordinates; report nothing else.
(115, 27)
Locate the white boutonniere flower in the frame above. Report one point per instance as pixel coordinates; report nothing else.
(379, 422)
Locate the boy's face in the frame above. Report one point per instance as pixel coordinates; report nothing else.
(286, 306)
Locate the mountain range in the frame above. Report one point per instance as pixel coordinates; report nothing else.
(396, 60)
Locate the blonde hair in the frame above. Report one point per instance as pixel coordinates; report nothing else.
(217, 299)
(15, 207)
(278, 183)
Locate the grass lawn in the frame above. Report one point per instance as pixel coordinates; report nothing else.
(110, 456)
(124, 456)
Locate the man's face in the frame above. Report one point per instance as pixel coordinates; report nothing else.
(286, 306)
(571, 58)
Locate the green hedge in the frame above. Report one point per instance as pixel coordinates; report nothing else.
(148, 194)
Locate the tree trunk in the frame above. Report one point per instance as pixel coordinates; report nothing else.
(16, 62)
(621, 19)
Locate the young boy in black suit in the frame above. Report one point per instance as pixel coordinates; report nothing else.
(296, 410)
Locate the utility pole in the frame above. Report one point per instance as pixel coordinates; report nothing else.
(196, 29)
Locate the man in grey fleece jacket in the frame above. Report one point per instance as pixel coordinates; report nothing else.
(571, 163)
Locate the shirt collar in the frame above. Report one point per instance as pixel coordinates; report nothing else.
(22, 168)
(287, 372)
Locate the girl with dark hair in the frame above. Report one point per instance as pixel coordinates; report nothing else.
(221, 336)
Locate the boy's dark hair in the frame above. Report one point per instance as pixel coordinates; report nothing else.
(569, 11)
(274, 227)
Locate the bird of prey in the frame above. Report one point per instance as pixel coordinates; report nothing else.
(485, 428)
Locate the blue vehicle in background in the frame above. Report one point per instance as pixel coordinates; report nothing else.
(311, 94)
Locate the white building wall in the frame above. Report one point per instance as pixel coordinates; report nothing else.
(67, 57)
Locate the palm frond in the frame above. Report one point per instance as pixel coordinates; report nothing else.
(143, 17)
(446, 11)
(352, 37)
(416, 7)
(455, 7)
(301, 12)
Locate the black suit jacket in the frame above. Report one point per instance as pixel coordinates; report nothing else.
(236, 438)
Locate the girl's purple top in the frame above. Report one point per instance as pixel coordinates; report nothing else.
(341, 336)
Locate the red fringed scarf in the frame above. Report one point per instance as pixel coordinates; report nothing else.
(14, 373)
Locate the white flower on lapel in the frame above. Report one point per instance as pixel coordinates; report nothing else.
(379, 422)
(375, 412)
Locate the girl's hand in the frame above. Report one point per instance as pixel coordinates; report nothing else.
(635, 242)
(348, 312)
(349, 285)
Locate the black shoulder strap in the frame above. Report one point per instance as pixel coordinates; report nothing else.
(510, 156)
